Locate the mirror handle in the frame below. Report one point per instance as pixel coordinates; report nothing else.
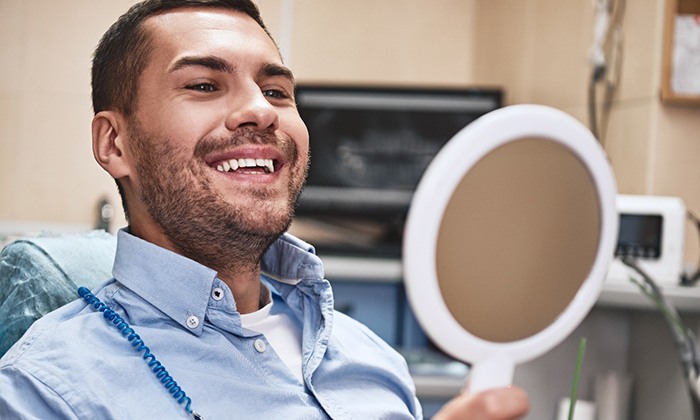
(492, 372)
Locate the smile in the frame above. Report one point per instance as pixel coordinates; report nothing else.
(247, 165)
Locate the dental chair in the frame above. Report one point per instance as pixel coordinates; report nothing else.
(39, 274)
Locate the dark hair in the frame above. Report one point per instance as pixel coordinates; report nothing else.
(123, 51)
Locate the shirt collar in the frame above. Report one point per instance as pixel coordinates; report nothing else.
(290, 259)
(176, 285)
(181, 287)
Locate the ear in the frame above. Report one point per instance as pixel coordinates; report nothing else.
(108, 134)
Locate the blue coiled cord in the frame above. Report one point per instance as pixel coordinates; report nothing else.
(158, 369)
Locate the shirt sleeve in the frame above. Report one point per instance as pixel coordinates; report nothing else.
(22, 396)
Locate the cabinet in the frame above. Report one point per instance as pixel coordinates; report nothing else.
(626, 336)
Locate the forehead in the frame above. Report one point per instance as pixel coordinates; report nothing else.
(188, 31)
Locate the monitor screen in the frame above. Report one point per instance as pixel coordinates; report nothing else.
(640, 236)
(371, 145)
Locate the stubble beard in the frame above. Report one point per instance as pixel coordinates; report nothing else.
(199, 222)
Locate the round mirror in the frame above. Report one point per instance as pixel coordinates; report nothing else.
(508, 238)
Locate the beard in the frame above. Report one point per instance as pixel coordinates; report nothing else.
(177, 191)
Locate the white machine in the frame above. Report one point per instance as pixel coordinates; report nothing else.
(651, 229)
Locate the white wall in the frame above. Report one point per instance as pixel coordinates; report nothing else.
(46, 168)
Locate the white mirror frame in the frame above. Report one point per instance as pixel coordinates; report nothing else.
(493, 363)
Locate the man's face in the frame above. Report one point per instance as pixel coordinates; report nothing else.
(219, 150)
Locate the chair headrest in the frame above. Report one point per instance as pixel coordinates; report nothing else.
(40, 274)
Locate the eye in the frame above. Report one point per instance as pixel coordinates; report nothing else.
(276, 94)
(202, 87)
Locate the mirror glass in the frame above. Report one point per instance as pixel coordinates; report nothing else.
(520, 231)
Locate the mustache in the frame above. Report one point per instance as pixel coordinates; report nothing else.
(242, 137)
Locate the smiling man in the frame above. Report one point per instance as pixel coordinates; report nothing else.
(214, 154)
(213, 310)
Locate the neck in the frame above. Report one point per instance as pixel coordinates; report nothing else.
(246, 287)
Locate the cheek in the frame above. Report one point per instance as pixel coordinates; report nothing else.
(159, 154)
(185, 123)
(303, 156)
(297, 130)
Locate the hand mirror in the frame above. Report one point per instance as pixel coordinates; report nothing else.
(508, 238)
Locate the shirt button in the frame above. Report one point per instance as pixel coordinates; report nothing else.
(192, 322)
(217, 293)
(260, 345)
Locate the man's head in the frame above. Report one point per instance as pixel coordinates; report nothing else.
(125, 48)
(208, 149)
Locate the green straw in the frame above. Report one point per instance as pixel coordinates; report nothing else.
(577, 376)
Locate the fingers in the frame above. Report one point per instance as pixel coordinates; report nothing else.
(494, 404)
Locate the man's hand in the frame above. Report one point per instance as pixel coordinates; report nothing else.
(494, 404)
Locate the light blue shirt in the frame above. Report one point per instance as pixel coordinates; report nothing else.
(73, 363)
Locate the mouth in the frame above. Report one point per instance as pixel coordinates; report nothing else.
(247, 166)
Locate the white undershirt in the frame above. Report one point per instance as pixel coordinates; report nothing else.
(283, 334)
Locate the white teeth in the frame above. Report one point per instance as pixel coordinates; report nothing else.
(235, 164)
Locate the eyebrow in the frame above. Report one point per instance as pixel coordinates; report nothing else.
(210, 62)
(273, 70)
(217, 64)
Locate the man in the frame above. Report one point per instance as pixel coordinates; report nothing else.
(213, 311)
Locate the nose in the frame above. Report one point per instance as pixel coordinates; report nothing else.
(250, 108)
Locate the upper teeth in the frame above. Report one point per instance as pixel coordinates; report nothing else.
(234, 164)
